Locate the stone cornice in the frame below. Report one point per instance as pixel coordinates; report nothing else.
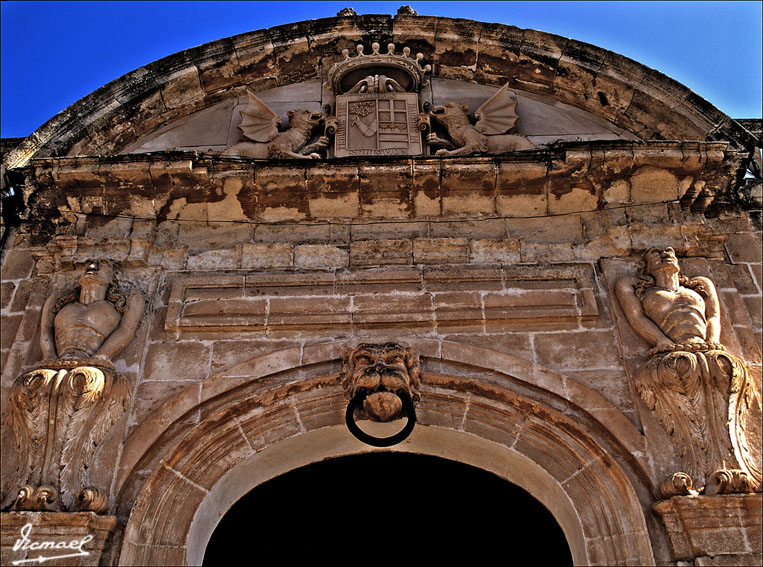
(569, 178)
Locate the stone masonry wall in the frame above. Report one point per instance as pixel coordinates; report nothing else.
(239, 261)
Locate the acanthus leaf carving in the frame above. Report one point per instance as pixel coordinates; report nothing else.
(700, 393)
(60, 412)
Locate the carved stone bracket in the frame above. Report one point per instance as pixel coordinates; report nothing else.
(721, 530)
(57, 416)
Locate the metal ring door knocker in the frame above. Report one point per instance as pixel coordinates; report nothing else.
(408, 410)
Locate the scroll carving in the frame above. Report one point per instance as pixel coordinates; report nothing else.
(260, 126)
(700, 393)
(61, 411)
(494, 131)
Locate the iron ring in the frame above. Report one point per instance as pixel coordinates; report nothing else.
(358, 433)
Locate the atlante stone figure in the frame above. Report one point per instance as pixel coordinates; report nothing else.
(99, 323)
(698, 390)
(60, 412)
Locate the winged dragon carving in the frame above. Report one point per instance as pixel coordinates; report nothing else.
(494, 131)
(260, 125)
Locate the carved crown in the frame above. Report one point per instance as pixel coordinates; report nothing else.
(406, 70)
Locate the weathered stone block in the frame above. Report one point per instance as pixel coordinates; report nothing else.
(576, 351)
(426, 189)
(440, 251)
(215, 260)
(302, 311)
(485, 251)
(385, 190)
(468, 189)
(16, 264)
(7, 290)
(380, 252)
(266, 255)
(652, 184)
(177, 361)
(320, 257)
(744, 247)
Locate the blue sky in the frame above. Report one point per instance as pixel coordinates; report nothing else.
(54, 53)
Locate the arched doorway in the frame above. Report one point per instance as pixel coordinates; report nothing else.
(257, 427)
(384, 503)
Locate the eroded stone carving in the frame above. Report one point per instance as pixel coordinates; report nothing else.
(377, 103)
(60, 412)
(260, 125)
(493, 132)
(381, 373)
(698, 390)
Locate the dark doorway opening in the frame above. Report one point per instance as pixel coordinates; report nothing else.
(385, 508)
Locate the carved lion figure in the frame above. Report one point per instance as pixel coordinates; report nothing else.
(381, 373)
(260, 125)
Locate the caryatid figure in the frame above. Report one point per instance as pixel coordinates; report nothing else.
(59, 413)
(99, 323)
(698, 390)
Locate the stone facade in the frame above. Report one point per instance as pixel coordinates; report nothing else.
(497, 271)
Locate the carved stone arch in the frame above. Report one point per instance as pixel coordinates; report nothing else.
(285, 410)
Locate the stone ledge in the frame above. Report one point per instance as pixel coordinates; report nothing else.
(569, 178)
(714, 526)
(54, 528)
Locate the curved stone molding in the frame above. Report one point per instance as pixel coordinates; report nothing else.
(606, 416)
(639, 99)
(589, 492)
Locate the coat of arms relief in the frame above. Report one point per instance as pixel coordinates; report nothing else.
(377, 104)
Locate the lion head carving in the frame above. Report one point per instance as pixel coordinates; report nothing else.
(453, 114)
(304, 120)
(382, 373)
